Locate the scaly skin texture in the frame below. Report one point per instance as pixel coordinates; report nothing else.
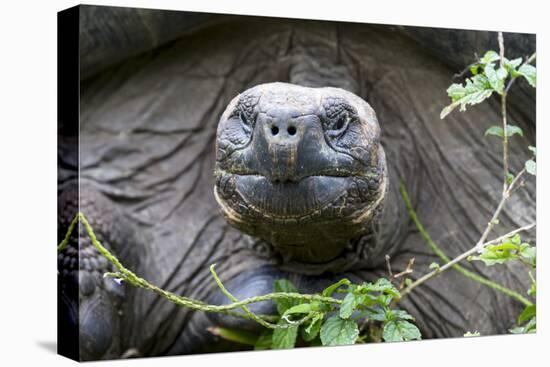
(147, 158)
(302, 169)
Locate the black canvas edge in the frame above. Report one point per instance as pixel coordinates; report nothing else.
(68, 100)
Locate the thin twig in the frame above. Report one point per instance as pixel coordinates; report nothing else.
(453, 263)
(504, 119)
(408, 270)
(388, 265)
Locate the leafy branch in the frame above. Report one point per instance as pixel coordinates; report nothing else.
(485, 81)
(454, 262)
(332, 321)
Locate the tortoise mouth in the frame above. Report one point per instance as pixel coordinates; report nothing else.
(322, 196)
(290, 199)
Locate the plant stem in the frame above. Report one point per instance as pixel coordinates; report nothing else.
(127, 275)
(513, 78)
(504, 119)
(453, 263)
(65, 241)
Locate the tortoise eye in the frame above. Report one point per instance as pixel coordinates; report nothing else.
(341, 123)
(246, 121)
(243, 118)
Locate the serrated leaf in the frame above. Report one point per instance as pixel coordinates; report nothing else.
(400, 330)
(495, 78)
(529, 72)
(475, 90)
(385, 286)
(512, 64)
(497, 254)
(527, 313)
(338, 331)
(284, 338)
(470, 99)
(401, 315)
(331, 288)
(312, 330)
(490, 56)
(495, 130)
(376, 314)
(348, 305)
(283, 285)
(531, 167)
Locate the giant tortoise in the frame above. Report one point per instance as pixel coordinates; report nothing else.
(274, 148)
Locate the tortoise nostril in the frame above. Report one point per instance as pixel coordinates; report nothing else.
(274, 130)
(291, 130)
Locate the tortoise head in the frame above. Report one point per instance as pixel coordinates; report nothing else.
(301, 168)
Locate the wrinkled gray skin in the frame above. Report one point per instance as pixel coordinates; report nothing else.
(147, 155)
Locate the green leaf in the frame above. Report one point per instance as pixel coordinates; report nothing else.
(498, 131)
(512, 130)
(496, 78)
(385, 286)
(509, 178)
(528, 252)
(283, 285)
(527, 313)
(237, 336)
(284, 338)
(476, 90)
(400, 330)
(469, 334)
(330, 289)
(301, 308)
(533, 149)
(490, 56)
(434, 266)
(376, 314)
(338, 331)
(531, 327)
(265, 341)
(531, 167)
(349, 305)
(495, 130)
(312, 330)
(532, 291)
(498, 254)
(529, 72)
(400, 315)
(512, 65)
